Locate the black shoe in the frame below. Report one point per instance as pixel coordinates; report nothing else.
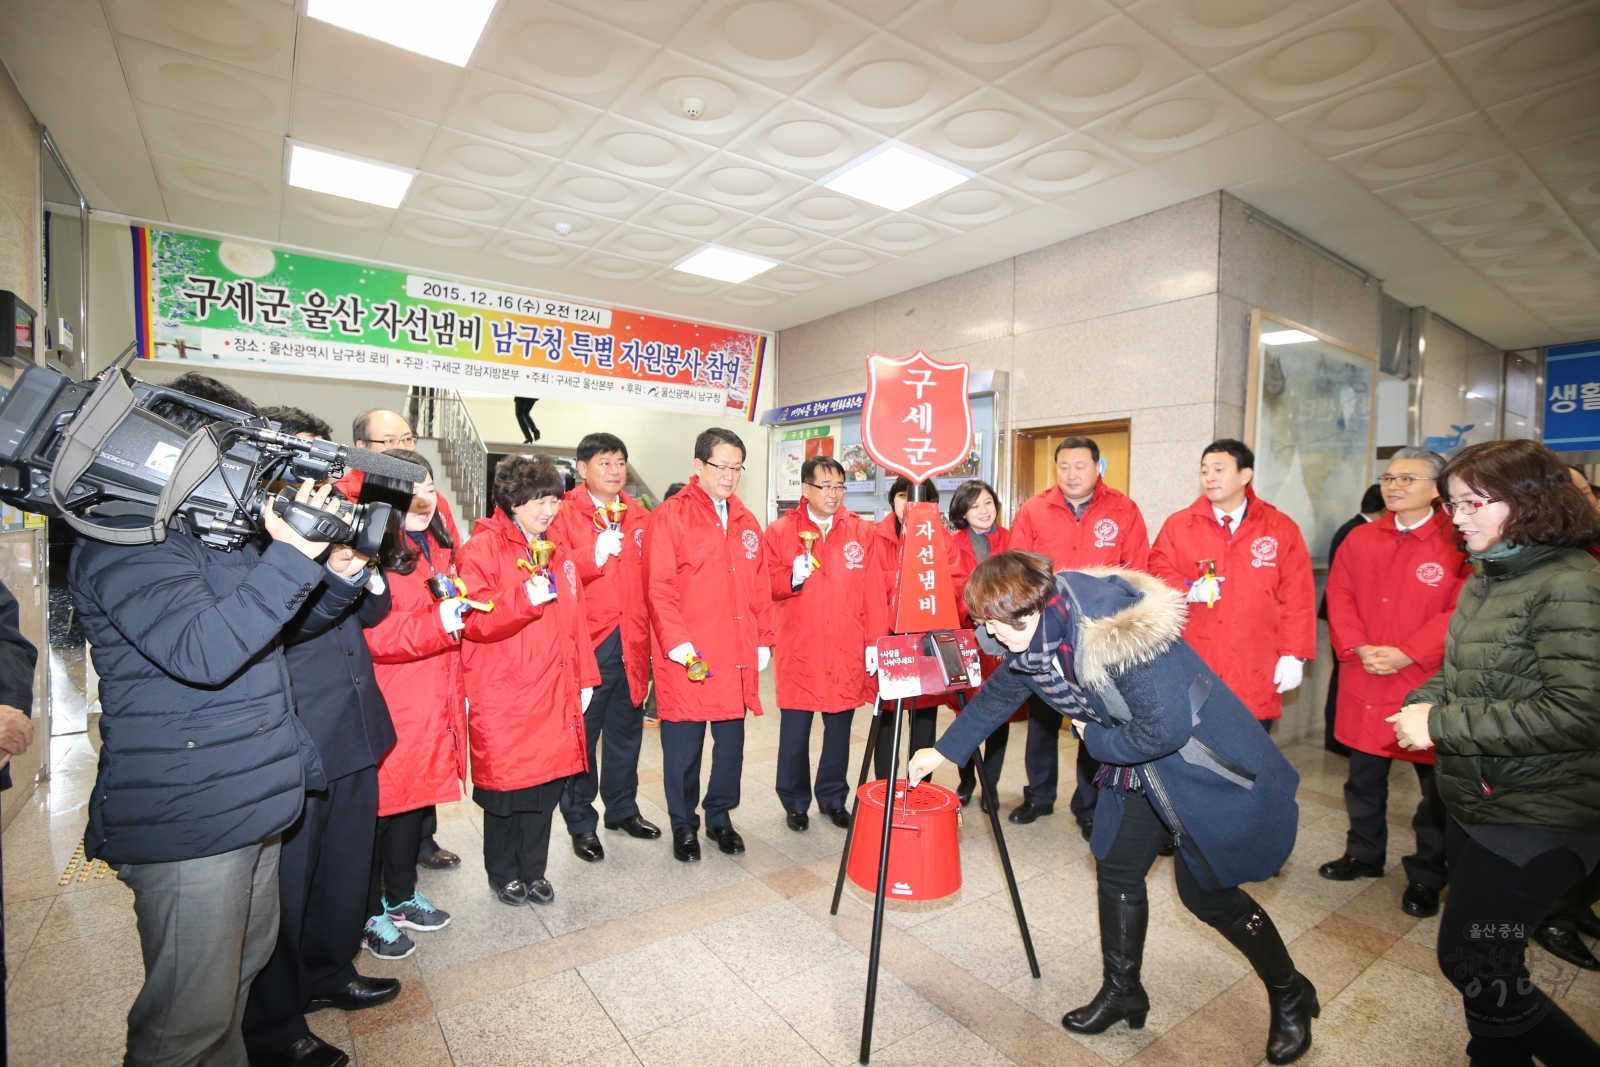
(686, 846)
(1563, 944)
(1123, 922)
(1420, 900)
(840, 817)
(798, 821)
(587, 847)
(363, 992)
(636, 826)
(1025, 813)
(1291, 997)
(1086, 828)
(1348, 869)
(513, 892)
(440, 859)
(309, 1051)
(1587, 924)
(540, 891)
(965, 798)
(727, 839)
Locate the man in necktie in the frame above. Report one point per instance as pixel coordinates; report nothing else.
(1244, 569)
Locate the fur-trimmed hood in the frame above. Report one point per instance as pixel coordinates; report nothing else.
(1126, 618)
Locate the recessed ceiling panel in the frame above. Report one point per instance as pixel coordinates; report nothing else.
(1063, 166)
(1108, 66)
(201, 86)
(178, 133)
(783, 43)
(1556, 49)
(1377, 111)
(360, 68)
(1437, 148)
(727, 103)
(887, 85)
(983, 129)
(988, 38)
(359, 128)
(335, 210)
(457, 154)
(1180, 118)
(1211, 31)
(1550, 114)
(255, 34)
(740, 183)
(1452, 24)
(438, 195)
(804, 140)
(634, 150)
(656, 20)
(1458, 188)
(539, 218)
(557, 49)
(824, 211)
(500, 109)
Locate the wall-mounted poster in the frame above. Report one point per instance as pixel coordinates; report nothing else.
(201, 301)
(972, 468)
(1308, 416)
(798, 444)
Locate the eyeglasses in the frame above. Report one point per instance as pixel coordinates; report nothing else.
(403, 441)
(1469, 507)
(737, 468)
(1404, 481)
(829, 487)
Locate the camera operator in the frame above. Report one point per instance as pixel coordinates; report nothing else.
(203, 762)
(17, 659)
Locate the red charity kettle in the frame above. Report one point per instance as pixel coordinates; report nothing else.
(925, 845)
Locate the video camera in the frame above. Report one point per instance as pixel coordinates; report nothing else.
(84, 451)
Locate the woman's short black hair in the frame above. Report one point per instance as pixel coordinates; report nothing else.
(902, 485)
(521, 478)
(966, 496)
(1547, 507)
(1372, 501)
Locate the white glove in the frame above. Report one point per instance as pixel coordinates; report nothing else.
(681, 654)
(450, 614)
(872, 659)
(1205, 591)
(584, 696)
(763, 657)
(376, 584)
(540, 590)
(608, 544)
(800, 572)
(1288, 674)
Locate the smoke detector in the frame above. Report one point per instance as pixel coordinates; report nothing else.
(693, 106)
(563, 228)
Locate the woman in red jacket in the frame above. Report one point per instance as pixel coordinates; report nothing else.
(529, 674)
(416, 657)
(975, 513)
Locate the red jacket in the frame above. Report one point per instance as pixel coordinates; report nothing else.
(1110, 534)
(966, 561)
(707, 586)
(824, 629)
(1389, 588)
(419, 670)
(524, 666)
(614, 594)
(1268, 606)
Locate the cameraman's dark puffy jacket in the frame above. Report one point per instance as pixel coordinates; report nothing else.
(202, 752)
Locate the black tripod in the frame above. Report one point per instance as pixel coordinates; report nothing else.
(991, 801)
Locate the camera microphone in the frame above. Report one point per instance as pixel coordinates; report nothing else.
(383, 465)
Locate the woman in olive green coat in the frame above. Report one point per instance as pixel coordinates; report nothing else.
(1514, 716)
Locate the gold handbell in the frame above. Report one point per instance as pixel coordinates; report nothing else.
(697, 668)
(609, 516)
(541, 551)
(809, 540)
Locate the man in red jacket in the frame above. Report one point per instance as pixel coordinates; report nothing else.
(830, 614)
(710, 607)
(1080, 522)
(379, 430)
(1246, 574)
(609, 553)
(1391, 592)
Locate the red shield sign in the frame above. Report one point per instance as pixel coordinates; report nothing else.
(916, 420)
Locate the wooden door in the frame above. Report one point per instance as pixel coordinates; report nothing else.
(1036, 449)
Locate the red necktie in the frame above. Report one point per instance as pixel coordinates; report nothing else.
(1227, 526)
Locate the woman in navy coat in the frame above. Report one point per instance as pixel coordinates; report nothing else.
(1181, 754)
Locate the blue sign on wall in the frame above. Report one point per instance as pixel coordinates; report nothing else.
(1572, 397)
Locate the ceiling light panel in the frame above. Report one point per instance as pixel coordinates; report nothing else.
(1286, 337)
(442, 29)
(351, 177)
(894, 176)
(724, 264)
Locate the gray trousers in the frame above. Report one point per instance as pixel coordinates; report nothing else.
(206, 928)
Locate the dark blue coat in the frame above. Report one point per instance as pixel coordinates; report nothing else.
(1213, 774)
(201, 751)
(17, 658)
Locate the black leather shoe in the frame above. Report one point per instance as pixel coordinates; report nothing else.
(1587, 924)
(1025, 813)
(1563, 944)
(363, 992)
(840, 817)
(513, 892)
(686, 846)
(727, 839)
(1086, 828)
(309, 1051)
(636, 826)
(587, 847)
(965, 798)
(440, 859)
(1348, 869)
(541, 891)
(1420, 900)
(798, 821)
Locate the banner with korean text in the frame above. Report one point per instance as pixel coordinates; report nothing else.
(209, 302)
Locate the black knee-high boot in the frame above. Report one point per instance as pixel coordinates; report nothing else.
(1292, 997)
(1124, 918)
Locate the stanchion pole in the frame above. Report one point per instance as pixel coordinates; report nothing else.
(991, 800)
(883, 886)
(855, 806)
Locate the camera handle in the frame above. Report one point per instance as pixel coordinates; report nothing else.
(309, 522)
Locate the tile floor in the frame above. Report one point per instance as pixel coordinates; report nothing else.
(645, 961)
